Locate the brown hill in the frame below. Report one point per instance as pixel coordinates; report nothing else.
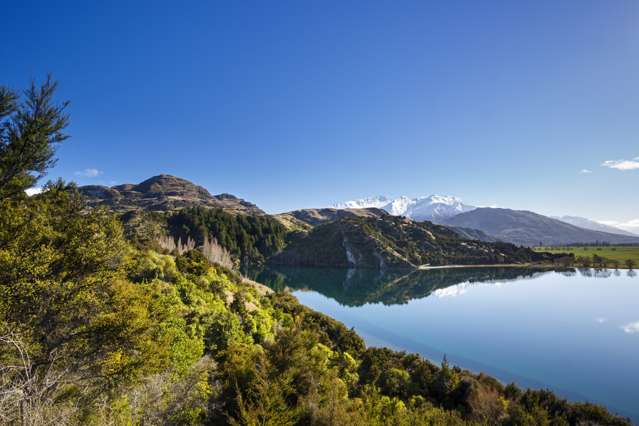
(164, 193)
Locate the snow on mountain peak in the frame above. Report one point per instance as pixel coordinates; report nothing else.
(437, 207)
(399, 206)
(376, 202)
(444, 199)
(434, 207)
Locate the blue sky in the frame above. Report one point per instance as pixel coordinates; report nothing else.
(301, 104)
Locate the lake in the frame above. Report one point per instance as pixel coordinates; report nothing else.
(575, 332)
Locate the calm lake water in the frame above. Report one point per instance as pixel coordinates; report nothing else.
(575, 331)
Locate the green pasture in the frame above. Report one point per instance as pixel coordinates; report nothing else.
(612, 253)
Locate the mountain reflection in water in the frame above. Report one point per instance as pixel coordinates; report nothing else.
(574, 331)
(356, 287)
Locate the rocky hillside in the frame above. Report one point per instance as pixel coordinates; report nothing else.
(394, 242)
(164, 193)
(306, 219)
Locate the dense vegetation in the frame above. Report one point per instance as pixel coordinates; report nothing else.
(391, 241)
(251, 239)
(96, 331)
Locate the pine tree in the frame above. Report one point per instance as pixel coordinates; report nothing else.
(29, 131)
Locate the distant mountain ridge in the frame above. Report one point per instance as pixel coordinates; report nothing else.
(164, 193)
(494, 224)
(529, 229)
(435, 208)
(582, 222)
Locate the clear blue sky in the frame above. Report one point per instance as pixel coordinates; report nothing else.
(303, 103)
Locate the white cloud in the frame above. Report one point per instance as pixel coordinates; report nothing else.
(452, 291)
(631, 328)
(622, 164)
(601, 320)
(89, 173)
(585, 171)
(33, 191)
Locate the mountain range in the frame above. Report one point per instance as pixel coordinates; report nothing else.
(166, 206)
(376, 232)
(514, 226)
(531, 229)
(434, 208)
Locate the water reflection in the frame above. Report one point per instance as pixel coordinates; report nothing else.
(575, 331)
(602, 272)
(356, 287)
(631, 328)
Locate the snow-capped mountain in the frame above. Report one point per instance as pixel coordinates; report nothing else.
(434, 207)
(399, 206)
(377, 202)
(437, 207)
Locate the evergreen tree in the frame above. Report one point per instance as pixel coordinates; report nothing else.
(30, 128)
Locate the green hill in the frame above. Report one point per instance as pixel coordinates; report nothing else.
(395, 242)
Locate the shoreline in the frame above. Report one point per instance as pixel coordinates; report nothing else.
(503, 265)
(514, 265)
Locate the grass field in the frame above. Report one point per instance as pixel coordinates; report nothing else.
(618, 253)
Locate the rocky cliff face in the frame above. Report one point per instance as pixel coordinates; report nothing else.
(164, 193)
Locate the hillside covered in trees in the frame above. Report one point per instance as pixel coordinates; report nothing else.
(396, 242)
(252, 239)
(96, 330)
(365, 238)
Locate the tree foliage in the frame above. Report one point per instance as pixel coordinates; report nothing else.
(249, 239)
(30, 128)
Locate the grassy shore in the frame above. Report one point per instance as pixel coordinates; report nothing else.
(610, 254)
(491, 265)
